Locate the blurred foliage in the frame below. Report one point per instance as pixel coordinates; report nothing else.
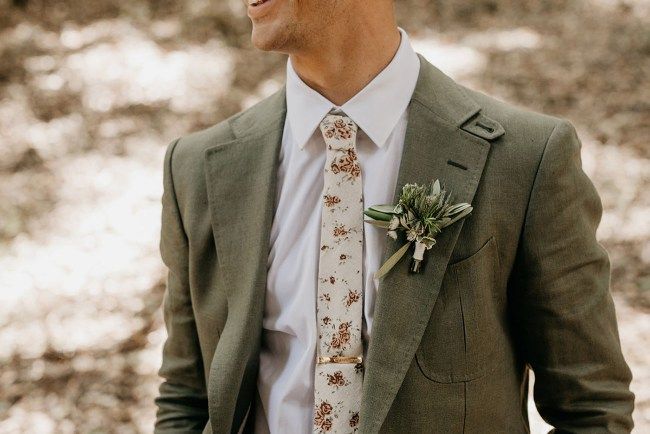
(91, 92)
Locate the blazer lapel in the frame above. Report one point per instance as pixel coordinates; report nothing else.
(241, 181)
(405, 301)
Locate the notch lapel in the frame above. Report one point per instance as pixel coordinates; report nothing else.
(405, 301)
(241, 180)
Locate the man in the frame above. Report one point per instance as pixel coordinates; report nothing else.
(249, 216)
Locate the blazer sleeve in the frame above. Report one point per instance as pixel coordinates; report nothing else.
(564, 318)
(182, 404)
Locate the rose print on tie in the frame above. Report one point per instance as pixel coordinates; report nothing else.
(331, 201)
(347, 164)
(337, 379)
(322, 418)
(339, 305)
(352, 297)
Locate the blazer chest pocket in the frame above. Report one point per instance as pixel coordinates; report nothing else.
(464, 333)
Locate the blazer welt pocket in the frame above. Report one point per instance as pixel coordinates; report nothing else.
(464, 333)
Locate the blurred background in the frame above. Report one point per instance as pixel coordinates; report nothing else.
(91, 92)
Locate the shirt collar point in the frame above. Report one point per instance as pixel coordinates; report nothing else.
(382, 144)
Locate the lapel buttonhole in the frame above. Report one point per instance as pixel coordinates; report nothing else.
(453, 163)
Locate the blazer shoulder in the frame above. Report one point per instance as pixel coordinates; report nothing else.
(185, 155)
(519, 151)
(524, 128)
(191, 148)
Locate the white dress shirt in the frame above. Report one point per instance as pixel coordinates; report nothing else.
(289, 338)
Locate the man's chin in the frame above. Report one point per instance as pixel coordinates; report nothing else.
(262, 43)
(266, 40)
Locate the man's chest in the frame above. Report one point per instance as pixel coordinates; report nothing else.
(296, 229)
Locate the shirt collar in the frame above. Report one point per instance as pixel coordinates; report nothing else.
(375, 109)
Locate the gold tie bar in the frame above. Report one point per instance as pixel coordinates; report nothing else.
(340, 359)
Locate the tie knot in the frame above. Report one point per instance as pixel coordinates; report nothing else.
(339, 131)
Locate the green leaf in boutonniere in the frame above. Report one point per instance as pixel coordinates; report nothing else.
(421, 213)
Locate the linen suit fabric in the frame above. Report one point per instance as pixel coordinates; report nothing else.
(521, 283)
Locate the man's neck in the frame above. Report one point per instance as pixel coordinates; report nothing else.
(342, 66)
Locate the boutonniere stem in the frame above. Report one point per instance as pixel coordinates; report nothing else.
(421, 213)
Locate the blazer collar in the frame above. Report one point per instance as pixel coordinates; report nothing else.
(241, 179)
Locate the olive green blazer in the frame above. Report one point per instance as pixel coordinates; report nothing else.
(519, 284)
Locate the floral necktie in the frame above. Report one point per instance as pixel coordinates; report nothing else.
(339, 305)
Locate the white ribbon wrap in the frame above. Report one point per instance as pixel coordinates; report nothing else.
(419, 250)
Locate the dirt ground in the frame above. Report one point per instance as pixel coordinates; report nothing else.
(91, 92)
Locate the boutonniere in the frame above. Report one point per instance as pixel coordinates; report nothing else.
(421, 213)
